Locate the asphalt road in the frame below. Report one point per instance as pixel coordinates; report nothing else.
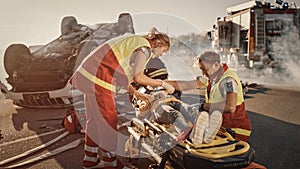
(274, 114)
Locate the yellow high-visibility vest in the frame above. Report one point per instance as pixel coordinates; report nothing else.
(215, 93)
(122, 48)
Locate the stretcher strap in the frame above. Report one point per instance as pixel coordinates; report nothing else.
(221, 147)
(241, 131)
(221, 152)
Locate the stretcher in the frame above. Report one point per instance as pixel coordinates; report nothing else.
(149, 139)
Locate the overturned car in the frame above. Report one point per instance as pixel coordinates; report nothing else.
(39, 76)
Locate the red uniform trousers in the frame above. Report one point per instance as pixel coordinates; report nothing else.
(238, 119)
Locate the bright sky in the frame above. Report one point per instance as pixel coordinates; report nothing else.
(35, 22)
(38, 22)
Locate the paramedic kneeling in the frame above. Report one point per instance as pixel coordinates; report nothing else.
(224, 93)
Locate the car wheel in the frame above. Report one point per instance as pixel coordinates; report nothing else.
(67, 24)
(125, 24)
(16, 55)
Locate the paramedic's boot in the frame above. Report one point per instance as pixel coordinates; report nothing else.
(91, 158)
(103, 165)
(200, 126)
(97, 166)
(214, 125)
(110, 160)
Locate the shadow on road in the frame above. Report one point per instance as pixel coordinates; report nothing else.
(38, 120)
(276, 142)
(255, 90)
(22, 123)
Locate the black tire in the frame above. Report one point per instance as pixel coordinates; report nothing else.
(125, 24)
(67, 24)
(16, 55)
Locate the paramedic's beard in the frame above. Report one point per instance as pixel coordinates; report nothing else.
(216, 73)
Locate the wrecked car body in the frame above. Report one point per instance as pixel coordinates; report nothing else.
(39, 78)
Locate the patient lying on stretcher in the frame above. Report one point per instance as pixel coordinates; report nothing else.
(189, 123)
(203, 126)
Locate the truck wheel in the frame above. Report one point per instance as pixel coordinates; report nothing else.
(125, 24)
(14, 56)
(67, 24)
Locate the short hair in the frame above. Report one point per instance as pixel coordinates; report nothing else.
(209, 57)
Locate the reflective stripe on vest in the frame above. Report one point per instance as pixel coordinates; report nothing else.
(215, 93)
(241, 131)
(96, 80)
(122, 48)
(158, 72)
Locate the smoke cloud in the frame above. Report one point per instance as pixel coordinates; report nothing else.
(282, 72)
(184, 49)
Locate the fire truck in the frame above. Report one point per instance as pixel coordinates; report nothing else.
(246, 34)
